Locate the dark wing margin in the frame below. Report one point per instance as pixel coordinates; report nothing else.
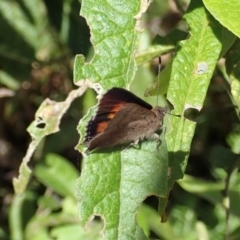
(109, 105)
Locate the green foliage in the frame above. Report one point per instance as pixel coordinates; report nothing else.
(61, 216)
(122, 181)
(222, 13)
(191, 71)
(115, 182)
(189, 82)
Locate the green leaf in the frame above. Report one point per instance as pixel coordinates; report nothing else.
(74, 232)
(233, 69)
(114, 184)
(47, 120)
(114, 37)
(58, 174)
(27, 16)
(44, 220)
(24, 38)
(211, 191)
(234, 142)
(8, 81)
(149, 220)
(21, 182)
(151, 52)
(21, 209)
(226, 12)
(192, 69)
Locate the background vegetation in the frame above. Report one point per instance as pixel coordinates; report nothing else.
(38, 43)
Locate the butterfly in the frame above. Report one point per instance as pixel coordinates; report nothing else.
(122, 118)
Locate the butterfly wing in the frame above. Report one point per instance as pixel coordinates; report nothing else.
(130, 124)
(110, 104)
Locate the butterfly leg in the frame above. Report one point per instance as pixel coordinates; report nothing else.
(134, 144)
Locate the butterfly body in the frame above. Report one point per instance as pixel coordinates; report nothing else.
(122, 118)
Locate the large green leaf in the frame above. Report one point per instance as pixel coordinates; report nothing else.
(192, 69)
(114, 182)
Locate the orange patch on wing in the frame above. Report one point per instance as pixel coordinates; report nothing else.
(101, 126)
(117, 107)
(114, 109)
(111, 115)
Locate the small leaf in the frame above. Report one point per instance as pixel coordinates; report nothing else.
(151, 52)
(75, 232)
(57, 174)
(210, 191)
(233, 69)
(234, 142)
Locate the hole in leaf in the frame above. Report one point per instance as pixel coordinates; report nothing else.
(191, 114)
(41, 125)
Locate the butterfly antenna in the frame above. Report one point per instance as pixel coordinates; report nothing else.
(175, 115)
(158, 77)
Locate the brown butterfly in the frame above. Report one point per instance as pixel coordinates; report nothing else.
(122, 118)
